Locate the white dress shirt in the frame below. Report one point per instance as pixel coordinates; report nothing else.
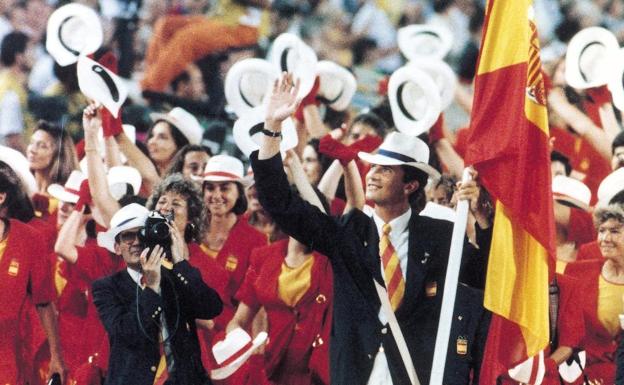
(399, 237)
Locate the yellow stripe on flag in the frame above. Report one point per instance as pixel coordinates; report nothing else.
(506, 31)
(515, 289)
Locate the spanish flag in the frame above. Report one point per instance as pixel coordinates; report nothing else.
(508, 145)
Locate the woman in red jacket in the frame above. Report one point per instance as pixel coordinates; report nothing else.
(604, 289)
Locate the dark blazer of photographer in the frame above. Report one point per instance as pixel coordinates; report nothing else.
(131, 316)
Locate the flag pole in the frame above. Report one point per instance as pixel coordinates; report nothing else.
(450, 289)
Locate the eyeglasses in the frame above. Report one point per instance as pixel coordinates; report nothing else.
(127, 237)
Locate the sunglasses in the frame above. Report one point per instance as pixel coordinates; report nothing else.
(127, 237)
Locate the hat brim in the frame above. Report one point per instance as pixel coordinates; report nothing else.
(442, 73)
(304, 70)
(571, 201)
(406, 35)
(158, 116)
(570, 373)
(577, 46)
(332, 70)
(123, 175)
(383, 160)
(616, 83)
(98, 83)
(57, 191)
(107, 239)
(244, 125)
(233, 92)
(226, 371)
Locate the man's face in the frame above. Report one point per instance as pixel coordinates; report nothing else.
(128, 246)
(617, 160)
(385, 186)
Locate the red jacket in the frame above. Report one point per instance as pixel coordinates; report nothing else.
(26, 279)
(597, 341)
(298, 344)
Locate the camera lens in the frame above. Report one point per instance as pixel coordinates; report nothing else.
(160, 231)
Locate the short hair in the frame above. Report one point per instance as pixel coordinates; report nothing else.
(64, 160)
(556, 156)
(17, 203)
(12, 45)
(612, 211)
(372, 120)
(417, 199)
(178, 138)
(618, 141)
(183, 77)
(448, 182)
(177, 163)
(195, 204)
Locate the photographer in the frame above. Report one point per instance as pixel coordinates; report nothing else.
(149, 311)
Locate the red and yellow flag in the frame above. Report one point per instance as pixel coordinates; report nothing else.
(508, 145)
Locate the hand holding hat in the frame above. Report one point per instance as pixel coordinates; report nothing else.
(309, 99)
(84, 195)
(599, 95)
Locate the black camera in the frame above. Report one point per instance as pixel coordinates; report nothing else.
(156, 231)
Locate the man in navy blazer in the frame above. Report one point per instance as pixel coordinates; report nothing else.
(149, 311)
(363, 350)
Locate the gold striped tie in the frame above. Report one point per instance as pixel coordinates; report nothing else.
(395, 284)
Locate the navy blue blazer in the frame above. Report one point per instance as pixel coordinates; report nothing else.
(352, 245)
(134, 347)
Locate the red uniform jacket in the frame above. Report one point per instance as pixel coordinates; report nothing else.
(589, 251)
(25, 279)
(298, 344)
(597, 341)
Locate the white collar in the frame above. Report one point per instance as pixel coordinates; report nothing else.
(135, 275)
(398, 225)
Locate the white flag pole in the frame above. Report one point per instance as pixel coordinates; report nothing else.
(450, 289)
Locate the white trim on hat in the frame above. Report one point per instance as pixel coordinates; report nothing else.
(337, 84)
(443, 76)
(401, 149)
(424, 40)
(233, 345)
(248, 136)
(20, 165)
(69, 191)
(593, 47)
(83, 29)
(437, 211)
(403, 80)
(247, 83)
(184, 121)
(572, 191)
(290, 54)
(98, 83)
(616, 80)
(525, 371)
(128, 217)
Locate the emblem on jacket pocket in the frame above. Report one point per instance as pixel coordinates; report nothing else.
(13, 268)
(431, 288)
(462, 345)
(231, 263)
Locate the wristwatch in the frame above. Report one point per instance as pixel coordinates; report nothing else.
(272, 134)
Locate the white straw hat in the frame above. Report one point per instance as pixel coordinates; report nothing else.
(572, 191)
(102, 85)
(119, 177)
(183, 121)
(247, 83)
(248, 134)
(611, 186)
(69, 191)
(337, 85)
(414, 100)
(19, 164)
(290, 54)
(418, 41)
(589, 55)
(402, 149)
(128, 217)
(443, 76)
(73, 30)
(232, 352)
(224, 168)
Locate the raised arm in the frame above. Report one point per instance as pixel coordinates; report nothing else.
(138, 160)
(353, 187)
(98, 185)
(65, 245)
(301, 181)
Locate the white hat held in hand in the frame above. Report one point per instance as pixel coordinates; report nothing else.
(184, 121)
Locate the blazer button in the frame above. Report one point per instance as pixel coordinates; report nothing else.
(381, 349)
(153, 369)
(384, 330)
(370, 356)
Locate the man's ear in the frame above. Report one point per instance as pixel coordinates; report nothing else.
(410, 187)
(117, 248)
(3, 196)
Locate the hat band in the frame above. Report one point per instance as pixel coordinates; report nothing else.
(236, 355)
(124, 222)
(583, 75)
(71, 190)
(60, 37)
(395, 155)
(222, 173)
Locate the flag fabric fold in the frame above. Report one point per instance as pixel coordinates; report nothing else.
(508, 146)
